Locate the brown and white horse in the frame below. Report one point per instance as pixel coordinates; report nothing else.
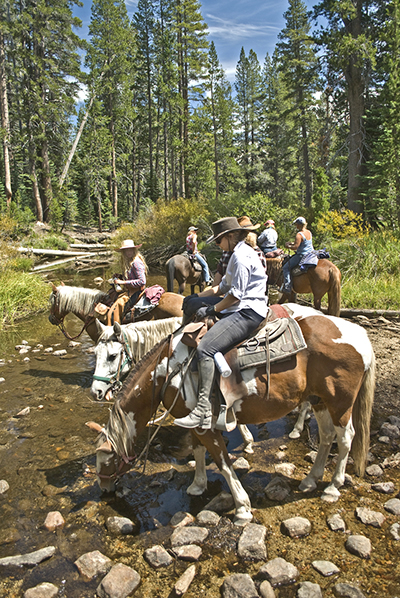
(337, 367)
(81, 302)
(324, 278)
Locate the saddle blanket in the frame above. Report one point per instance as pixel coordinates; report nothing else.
(310, 260)
(283, 338)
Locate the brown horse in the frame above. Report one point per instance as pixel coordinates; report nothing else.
(81, 302)
(337, 369)
(324, 278)
(180, 268)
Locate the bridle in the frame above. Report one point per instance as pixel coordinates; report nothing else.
(114, 380)
(60, 323)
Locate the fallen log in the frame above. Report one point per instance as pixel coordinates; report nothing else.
(58, 262)
(87, 246)
(51, 252)
(346, 312)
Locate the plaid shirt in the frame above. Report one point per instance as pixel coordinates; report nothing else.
(225, 257)
(136, 276)
(191, 243)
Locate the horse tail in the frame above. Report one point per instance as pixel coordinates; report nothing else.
(334, 292)
(170, 271)
(274, 269)
(361, 415)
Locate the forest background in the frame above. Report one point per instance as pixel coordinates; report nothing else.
(164, 140)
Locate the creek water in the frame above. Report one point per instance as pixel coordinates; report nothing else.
(48, 459)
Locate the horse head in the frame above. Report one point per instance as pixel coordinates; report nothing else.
(112, 361)
(55, 317)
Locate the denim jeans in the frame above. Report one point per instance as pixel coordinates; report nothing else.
(229, 331)
(193, 304)
(204, 265)
(291, 263)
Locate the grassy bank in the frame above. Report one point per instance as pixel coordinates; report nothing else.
(21, 294)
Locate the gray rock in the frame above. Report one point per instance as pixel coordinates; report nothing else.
(359, 546)
(48, 350)
(221, 503)
(279, 572)
(54, 520)
(374, 470)
(384, 439)
(43, 590)
(266, 590)
(395, 531)
(120, 525)
(384, 487)
(241, 465)
(60, 352)
(29, 559)
(369, 517)
(73, 344)
(392, 461)
(286, 469)
(93, 563)
(188, 535)
(120, 582)
(158, 557)
(326, 568)
(209, 518)
(390, 430)
(251, 545)
(280, 455)
(4, 486)
(191, 552)
(309, 590)
(2, 380)
(296, 527)
(181, 519)
(278, 489)
(347, 590)
(393, 419)
(336, 523)
(183, 583)
(393, 506)
(311, 456)
(239, 585)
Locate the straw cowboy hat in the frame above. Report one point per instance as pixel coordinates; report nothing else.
(245, 222)
(192, 228)
(224, 226)
(128, 244)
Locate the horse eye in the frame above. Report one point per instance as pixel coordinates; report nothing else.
(113, 357)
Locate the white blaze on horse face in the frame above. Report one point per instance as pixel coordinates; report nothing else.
(351, 334)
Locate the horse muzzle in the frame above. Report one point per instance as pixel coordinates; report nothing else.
(53, 320)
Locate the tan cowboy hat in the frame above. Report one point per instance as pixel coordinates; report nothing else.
(245, 222)
(128, 244)
(223, 226)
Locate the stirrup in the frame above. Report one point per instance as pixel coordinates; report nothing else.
(193, 420)
(226, 419)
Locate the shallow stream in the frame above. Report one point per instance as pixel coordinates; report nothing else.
(47, 457)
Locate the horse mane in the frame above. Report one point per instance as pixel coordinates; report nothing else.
(78, 298)
(120, 428)
(149, 334)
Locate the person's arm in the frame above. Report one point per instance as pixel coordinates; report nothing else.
(139, 279)
(296, 244)
(217, 279)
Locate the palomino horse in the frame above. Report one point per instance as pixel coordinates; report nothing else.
(324, 278)
(180, 268)
(337, 369)
(81, 302)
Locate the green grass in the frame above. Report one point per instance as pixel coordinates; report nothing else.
(21, 294)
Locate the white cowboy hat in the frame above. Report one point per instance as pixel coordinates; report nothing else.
(128, 244)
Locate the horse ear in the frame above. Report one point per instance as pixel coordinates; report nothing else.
(93, 426)
(100, 327)
(62, 284)
(55, 289)
(117, 328)
(105, 447)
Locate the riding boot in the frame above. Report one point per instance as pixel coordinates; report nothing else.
(200, 417)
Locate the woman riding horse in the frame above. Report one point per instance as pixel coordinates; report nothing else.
(134, 281)
(191, 248)
(241, 311)
(301, 245)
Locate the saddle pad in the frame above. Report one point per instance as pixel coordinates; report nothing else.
(143, 306)
(286, 340)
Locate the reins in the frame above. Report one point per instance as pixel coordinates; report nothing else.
(115, 378)
(61, 326)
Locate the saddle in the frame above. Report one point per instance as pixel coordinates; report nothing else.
(192, 258)
(278, 338)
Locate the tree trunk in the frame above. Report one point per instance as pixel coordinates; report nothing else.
(114, 184)
(5, 122)
(46, 177)
(75, 144)
(216, 170)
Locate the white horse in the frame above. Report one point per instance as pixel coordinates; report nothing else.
(121, 346)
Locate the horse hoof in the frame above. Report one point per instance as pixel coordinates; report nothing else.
(330, 494)
(242, 517)
(194, 490)
(249, 450)
(307, 485)
(294, 434)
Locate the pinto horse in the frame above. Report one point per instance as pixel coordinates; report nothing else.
(180, 267)
(336, 370)
(81, 302)
(324, 278)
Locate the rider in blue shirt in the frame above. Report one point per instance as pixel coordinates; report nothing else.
(301, 245)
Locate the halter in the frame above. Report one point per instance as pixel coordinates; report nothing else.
(60, 323)
(120, 461)
(115, 378)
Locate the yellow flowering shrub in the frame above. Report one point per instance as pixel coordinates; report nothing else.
(340, 225)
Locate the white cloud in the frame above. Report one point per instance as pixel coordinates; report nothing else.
(82, 94)
(230, 30)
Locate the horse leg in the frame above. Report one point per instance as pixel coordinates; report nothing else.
(299, 425)
(199, 484)
(181, 288)
(214, 443)
(326, 436)
(344, 438)
(247, 439)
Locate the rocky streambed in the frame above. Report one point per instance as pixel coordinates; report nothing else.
(59, 536)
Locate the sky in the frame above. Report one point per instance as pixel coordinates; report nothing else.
(253, 24)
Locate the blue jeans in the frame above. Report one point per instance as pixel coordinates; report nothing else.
(204, 265)
(291, 263)
(193, 304)
(268, 249)
(229, 331)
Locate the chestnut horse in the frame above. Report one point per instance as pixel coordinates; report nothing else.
(336, 370)
(180, 267)
(81, 302)
(324, 278)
